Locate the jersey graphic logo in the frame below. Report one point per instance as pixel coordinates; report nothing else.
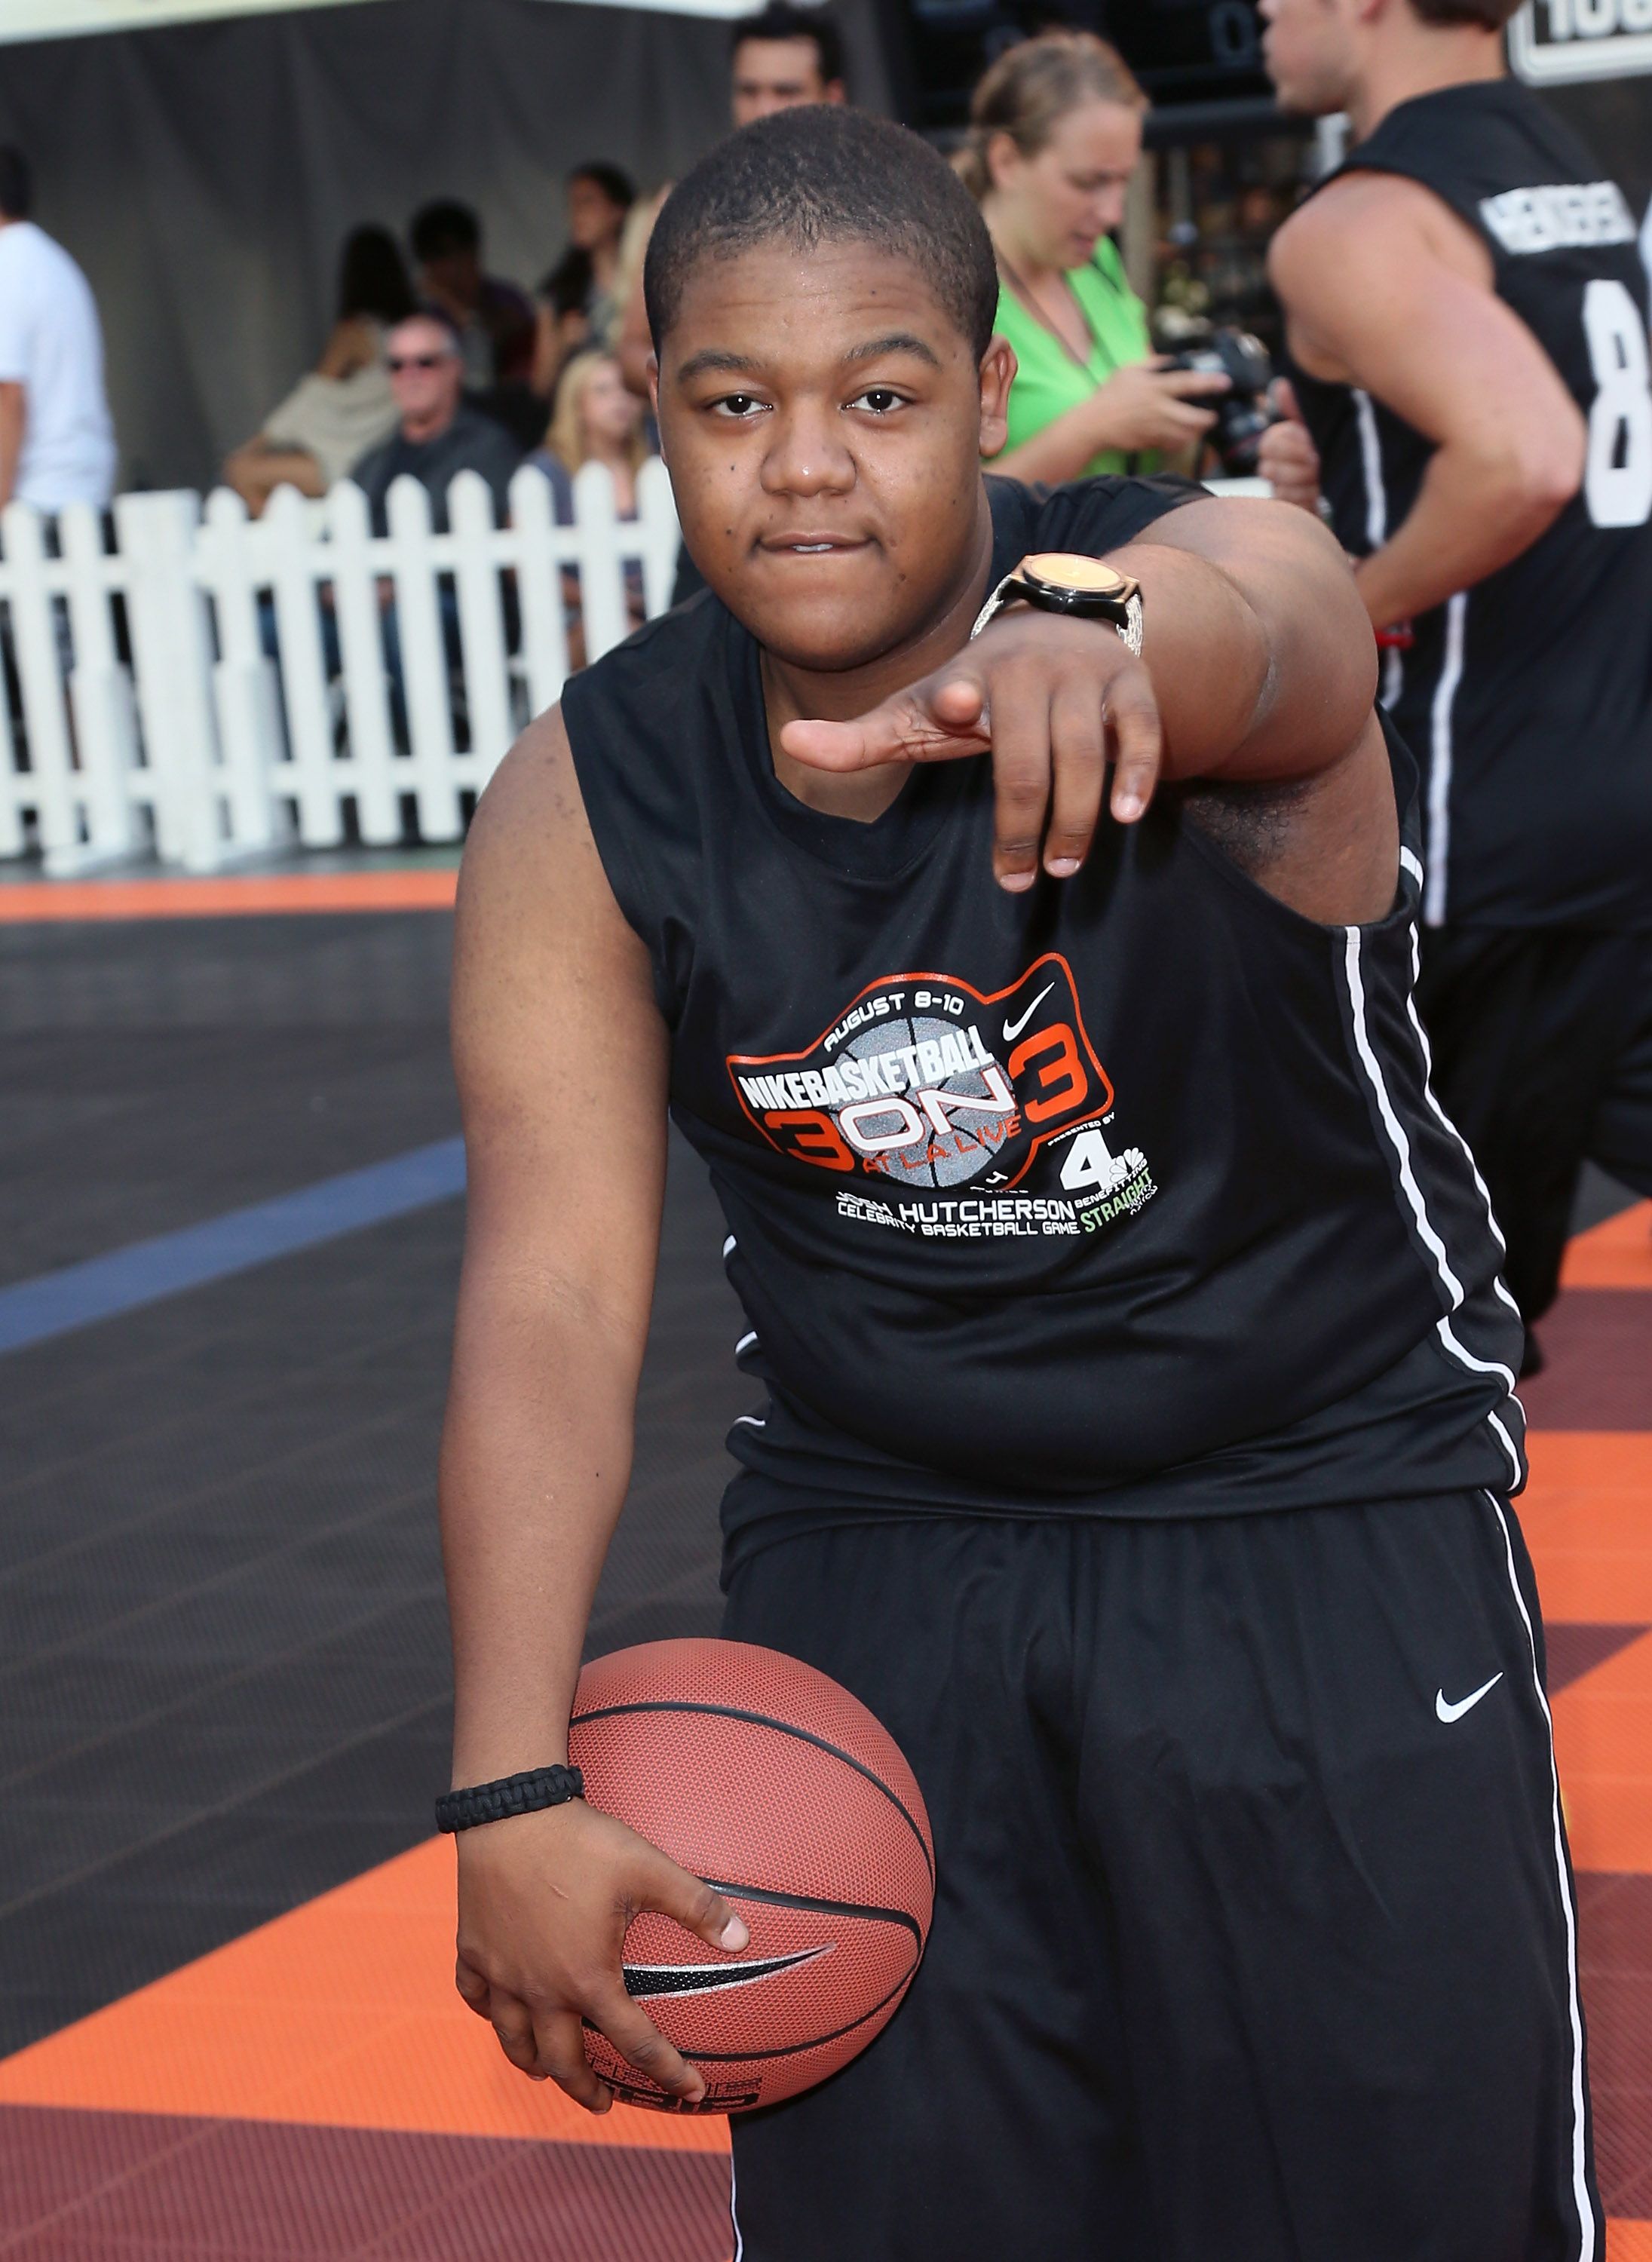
(1013, 1029)
(927, 1083)
(1450, 1713)
(645, 1980)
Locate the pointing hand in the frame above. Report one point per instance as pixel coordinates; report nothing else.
(1054, 701)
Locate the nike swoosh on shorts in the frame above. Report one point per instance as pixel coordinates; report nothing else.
(1449, 1712)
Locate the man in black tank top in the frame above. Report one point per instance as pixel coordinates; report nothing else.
(1467, 317)
(1133, 1418)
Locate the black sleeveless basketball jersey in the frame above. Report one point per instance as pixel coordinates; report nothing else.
(1528, 697)
(1124, 1195)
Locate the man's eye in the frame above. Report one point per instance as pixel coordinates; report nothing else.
(879, 398)
(741, 404)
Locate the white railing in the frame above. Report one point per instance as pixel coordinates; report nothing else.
(213, 686)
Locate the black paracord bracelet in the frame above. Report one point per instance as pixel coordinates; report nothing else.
(512, 1794)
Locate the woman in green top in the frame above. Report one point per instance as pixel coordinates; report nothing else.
(1055, 134)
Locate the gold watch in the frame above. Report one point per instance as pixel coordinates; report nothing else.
(1061, 581)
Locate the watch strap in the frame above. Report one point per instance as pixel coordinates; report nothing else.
(510, 1794)
(1012, 589)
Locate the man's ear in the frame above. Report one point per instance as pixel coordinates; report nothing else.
(653, 398)
(998, 374)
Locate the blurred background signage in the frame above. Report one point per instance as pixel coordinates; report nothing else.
(1556, 39)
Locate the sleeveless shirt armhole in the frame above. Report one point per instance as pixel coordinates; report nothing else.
(608, 831)
(630, 727)
(1393, 162)
(1092, 516)
(1407, 144)
(1406, 782)
(1088, 516)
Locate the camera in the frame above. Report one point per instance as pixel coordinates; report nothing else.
(1242, 415)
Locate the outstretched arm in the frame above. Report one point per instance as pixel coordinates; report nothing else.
(1388, 290)
(1258, 667)
(560, 1054)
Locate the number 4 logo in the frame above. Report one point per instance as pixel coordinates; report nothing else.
(1088, 1163)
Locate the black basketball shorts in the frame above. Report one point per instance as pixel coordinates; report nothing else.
(1254, 1934)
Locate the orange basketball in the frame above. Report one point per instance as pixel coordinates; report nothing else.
(765, 1778)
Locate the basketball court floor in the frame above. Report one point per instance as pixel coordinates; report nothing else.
(229, 1235)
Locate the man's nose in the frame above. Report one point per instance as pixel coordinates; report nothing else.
(806, 454)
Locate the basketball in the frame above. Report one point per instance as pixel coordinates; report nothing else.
(773, 1784)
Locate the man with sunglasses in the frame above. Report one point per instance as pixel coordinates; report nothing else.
(438, 437)
(439, 434)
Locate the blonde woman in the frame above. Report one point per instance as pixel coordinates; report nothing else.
(596, 421)
(593, 420)
(1055, 134)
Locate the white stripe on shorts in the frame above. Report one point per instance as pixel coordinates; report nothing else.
(1586, 2243)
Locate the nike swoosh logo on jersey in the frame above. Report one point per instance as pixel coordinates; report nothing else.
(1013, 1029)
(1449, 1712)
(645, 1980)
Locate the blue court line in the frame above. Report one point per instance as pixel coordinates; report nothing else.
(33, 1311)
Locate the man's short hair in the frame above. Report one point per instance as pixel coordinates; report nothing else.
(781, 20)
(446, 226)
(17, 183)
(824, 174)
(1489, 15)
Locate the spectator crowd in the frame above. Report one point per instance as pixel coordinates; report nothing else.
(434, 365)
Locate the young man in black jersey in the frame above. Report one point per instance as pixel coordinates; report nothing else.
(1138, 1427)
(1467, 317)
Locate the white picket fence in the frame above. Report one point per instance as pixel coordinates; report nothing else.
(141, 709)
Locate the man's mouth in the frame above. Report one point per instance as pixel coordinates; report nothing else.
(810, 544)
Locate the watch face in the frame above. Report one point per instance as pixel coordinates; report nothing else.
(1066, 573)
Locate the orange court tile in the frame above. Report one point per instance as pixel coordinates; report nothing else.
(31, 902)
(1587, 1515)
(1617, 1254)
(342, 2012)
(1603, 1741)
(1629, 2241)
